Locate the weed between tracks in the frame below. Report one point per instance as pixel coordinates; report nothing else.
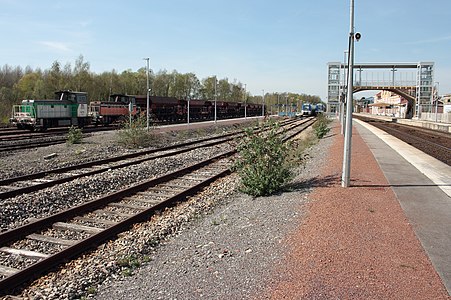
(264, 161)
(266, 164)
(134, 133)
(321, 126)
(74, 136)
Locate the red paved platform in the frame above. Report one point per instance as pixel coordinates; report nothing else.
(356, 243)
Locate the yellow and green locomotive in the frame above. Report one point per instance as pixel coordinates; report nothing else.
(69, 108)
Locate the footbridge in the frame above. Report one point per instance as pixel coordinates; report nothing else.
(412, 81)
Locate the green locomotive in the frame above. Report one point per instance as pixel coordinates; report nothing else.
(69, 108)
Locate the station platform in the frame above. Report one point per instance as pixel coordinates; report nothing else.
(422, 185)
(446, 127)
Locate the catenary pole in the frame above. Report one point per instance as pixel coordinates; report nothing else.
(343, 95)
(215, 99)
(345, 179)
(245, 101)
(436, 96)
(148, 91)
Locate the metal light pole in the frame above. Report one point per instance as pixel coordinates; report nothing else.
(393, 79)
(148, 108)
(263, 103)
(343, 93)
(215, 98)
(245, 102)
(345, 179)
(187, 113)
(436, 101)
(286, 105)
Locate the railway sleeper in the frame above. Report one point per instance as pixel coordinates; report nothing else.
(51, 240)
(76, 227)
(97, 221)
(22, 252)
(126, 205)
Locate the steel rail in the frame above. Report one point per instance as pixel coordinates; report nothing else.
(40, 186)
(35, 144)
(419, 139)
(43, 265)
(439, 151)
(9, 283)
(11, 193)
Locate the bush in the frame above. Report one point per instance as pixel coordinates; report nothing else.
(134, 134)
(74, 136)
(263, 163)
(321, 126)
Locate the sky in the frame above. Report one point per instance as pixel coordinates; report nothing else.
(275, 46)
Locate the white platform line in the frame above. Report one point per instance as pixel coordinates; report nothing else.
(437, 171)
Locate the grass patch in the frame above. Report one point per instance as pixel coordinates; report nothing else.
(265, 163)
(74, 136)
(134, 133)
(321, 126)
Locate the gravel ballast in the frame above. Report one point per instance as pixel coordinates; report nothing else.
(299, 244)
(236, 237)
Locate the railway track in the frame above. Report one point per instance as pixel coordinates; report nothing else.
(33, 182)
(434, 143)
(32, 249)
(13, 141)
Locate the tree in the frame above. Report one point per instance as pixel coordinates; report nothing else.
(17, 84)
(194, 86)
(7, 100)
(223, 90)
(161, 83)
(26, 86)
(53, 80)
(236, 92)
(207, 90)
(82, 77)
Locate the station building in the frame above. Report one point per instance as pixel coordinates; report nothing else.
(387, 103)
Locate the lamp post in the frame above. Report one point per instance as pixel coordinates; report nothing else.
(148, 108)
(215, 98)
(343, 95)
(263, 103)
(393, 76)
(436, 100)
(286, 104)
(245, 102)
(345, 179)
(187, 112)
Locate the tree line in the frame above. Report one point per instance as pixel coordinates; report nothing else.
(17, 83)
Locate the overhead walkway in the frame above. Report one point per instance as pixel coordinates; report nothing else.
(412, 81)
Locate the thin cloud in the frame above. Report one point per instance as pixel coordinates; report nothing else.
(58, 46)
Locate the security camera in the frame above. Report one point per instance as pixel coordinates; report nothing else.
(357, 36)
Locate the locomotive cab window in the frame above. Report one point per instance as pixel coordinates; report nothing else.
(82, 99)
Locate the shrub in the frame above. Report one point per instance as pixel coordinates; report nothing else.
(74, 136)
(321, 126)
(263, 163)
(134, 133)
